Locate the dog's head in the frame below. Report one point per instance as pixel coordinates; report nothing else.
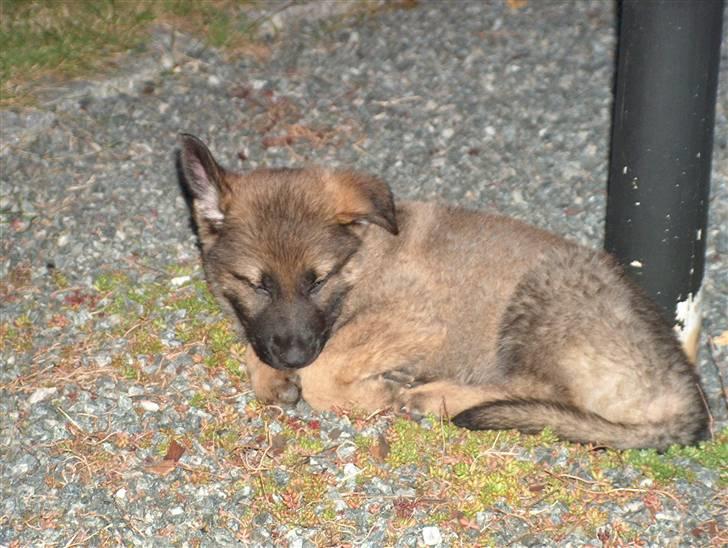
(275, 243)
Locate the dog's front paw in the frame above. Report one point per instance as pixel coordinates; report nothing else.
(282, 389)
(273, 386)
(289, 390)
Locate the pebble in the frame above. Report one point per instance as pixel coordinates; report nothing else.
(149, 406)
(41, 394)
(351, 470)
(431, 536)
(178, 281)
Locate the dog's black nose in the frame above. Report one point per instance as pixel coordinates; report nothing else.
(293, 351)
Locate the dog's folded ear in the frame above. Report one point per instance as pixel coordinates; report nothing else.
(361, 198)
(205, 180)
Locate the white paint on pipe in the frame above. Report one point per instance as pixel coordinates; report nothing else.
(688, 320)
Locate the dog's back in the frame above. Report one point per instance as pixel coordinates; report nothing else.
(574, 344)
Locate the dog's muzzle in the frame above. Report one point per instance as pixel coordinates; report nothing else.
(293, 351)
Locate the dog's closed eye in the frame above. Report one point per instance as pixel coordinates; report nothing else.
(264, 287)
(312, 282)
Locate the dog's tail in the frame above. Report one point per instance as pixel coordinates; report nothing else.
(572, 424)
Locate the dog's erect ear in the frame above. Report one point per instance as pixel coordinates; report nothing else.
(205, 179)
(360, 198)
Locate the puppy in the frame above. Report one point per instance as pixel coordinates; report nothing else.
(352, 302)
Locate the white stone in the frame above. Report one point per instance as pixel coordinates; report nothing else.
(135, 390)
(41, 393)
(431, 536)
(149, 406)
(351, 470)
(102, 360)
(180, 280)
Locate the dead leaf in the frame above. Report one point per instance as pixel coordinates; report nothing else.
(380, 450)
(722, 339)
(516, 4)
(169, 462)
(174, 451)
(278, 444)
(162, 468)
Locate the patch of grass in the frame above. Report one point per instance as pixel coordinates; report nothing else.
(60, 279)
(45, 39)
(163, 446)
(310, 444)
(663, 468)
(220, 336)
(655, 465)
(711, 454)
(363, 442)
(127, 369)
(17, 335)
(225, 438)
(145, 342)
(195, 300)
(198, 400)
(111, 281)
(232, 366)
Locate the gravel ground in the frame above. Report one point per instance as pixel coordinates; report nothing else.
(125, 418)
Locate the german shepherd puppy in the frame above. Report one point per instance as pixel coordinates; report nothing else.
(352, 302)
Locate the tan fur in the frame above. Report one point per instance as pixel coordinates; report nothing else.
(437, 310)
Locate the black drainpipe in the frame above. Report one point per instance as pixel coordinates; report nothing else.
(662, 142)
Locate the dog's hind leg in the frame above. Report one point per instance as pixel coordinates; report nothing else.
(446, 398)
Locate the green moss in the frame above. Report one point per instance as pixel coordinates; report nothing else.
(662, 467)
(546, 437)
(176, 270)
(195, 299)
(220, 337)
(148, 296)
(225, 438)
(59, 279)
(363, 442)
(163, 446)
(404, 447)
(506, 482)
(328, 513)
(655, 465)
(461, 470)
(17, 335)
(198, 400)
(188, 332)
(232, 366)
(711, 454)
(111, 281)
(310, 444)
(145, 342)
